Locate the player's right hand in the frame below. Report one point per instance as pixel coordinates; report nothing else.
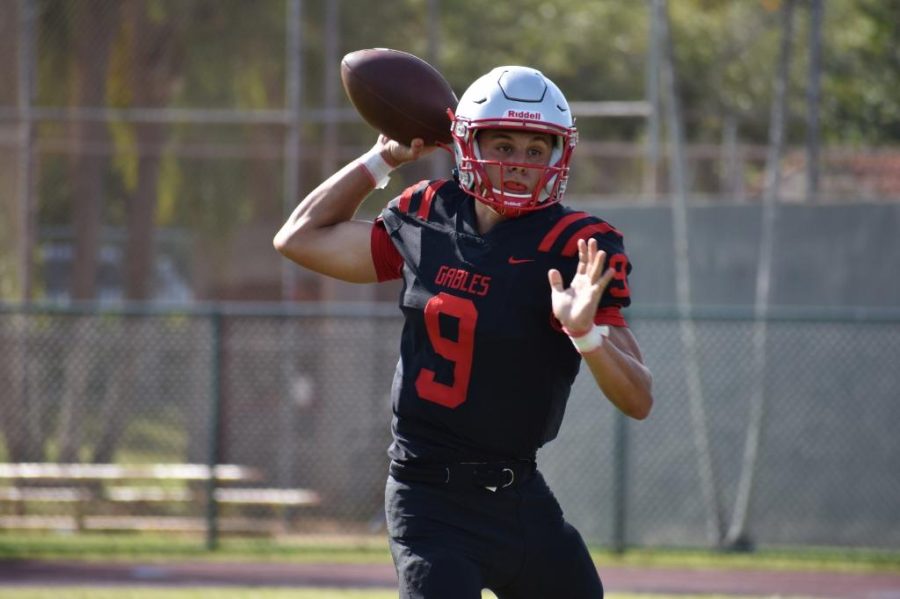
(576, 305)
(395, 153)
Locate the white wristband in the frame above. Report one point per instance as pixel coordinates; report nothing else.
(590, 340)
(378, 169)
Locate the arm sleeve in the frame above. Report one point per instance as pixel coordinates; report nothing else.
(387, 260)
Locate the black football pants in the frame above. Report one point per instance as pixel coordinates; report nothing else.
(451, 543)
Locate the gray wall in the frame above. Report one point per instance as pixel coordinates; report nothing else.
(832, 255)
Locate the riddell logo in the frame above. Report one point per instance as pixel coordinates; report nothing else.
(523, 114)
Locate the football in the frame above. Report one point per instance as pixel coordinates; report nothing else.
(399, 94)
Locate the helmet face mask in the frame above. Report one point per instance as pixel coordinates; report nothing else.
(515, 99)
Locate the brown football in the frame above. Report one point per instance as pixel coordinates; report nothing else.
(399, 94)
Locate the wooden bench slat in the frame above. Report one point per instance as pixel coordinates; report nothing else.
(268, 496)
(88, 486)
(42, 470)
(188, 524)
(137, 494)
(246, 496)
(53, 494)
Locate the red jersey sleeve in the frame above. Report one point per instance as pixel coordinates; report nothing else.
(388, 261)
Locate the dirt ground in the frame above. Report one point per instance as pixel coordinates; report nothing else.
(617, 579)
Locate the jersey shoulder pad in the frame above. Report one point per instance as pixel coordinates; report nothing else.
(563, 236)
(416, 200)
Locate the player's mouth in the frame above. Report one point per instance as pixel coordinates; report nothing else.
(514, 187)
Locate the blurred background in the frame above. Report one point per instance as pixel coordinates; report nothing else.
(749, 150)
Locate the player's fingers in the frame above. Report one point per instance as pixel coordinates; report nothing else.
(419, 149)
(591, 254)
(382, 142)
(556, 280)
(582, 257)
(400, 153)
(596, 267)
(606, 278)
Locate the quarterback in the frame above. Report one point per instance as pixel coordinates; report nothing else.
(505, 293)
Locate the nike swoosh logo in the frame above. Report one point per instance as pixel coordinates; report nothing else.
(520, 260)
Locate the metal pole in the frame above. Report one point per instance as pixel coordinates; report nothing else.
(26, 69)
(651, 168)
(737, 534)
(24, 430)
(706, 470)
(331, 88)
(292, 171)
(439, 160)
(812, 100)
(215, 429)
(620, 513)
(287, 420)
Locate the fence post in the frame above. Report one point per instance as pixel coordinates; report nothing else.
(215, 426)
(620, 484)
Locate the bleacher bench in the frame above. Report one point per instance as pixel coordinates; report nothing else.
(83, 485)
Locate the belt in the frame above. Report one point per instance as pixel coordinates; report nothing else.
(489, 475)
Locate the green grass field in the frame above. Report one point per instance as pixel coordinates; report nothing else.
(248, 593)
(373, 549)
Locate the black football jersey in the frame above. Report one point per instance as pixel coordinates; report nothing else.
(485, 370)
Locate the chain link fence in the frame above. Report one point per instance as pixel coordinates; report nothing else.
(149, 151)
(301, 396)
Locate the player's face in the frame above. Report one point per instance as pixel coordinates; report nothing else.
(521, 154)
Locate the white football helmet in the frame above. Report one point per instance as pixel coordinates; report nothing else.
(515, 98)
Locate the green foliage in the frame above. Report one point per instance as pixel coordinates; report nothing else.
(727, 52)
(861, 86)
(215, 178)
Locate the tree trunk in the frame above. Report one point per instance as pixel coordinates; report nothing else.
(141, 215)
(155, 63)
(22, 440)
(93, 25)
(122, 379)
(155, 66)
(22, 437)
(72, 406)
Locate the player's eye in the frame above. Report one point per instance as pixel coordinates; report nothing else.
(536, 153)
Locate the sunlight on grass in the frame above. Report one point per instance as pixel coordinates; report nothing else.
(192, 593)
(157, 547)
(252, 593)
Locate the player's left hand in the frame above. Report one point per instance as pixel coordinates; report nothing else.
(576, 306)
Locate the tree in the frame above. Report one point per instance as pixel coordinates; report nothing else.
(90, 58)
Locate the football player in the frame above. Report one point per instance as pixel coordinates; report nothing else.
(505, 293)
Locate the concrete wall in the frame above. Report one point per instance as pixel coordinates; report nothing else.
(831, 255)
